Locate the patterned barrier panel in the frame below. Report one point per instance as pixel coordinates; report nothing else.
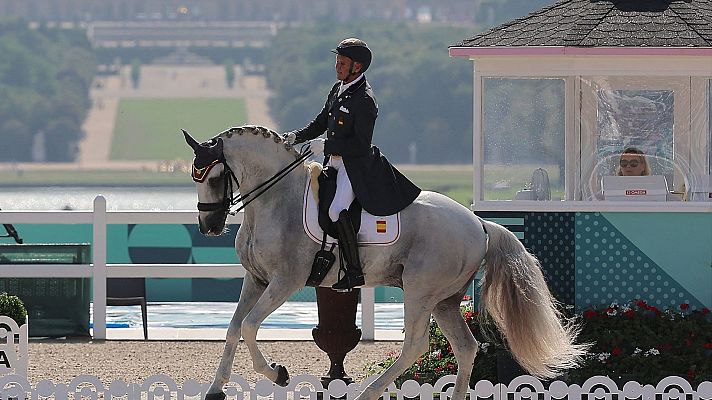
(163, 387)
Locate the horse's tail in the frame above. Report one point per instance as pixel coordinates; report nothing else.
(516, 296)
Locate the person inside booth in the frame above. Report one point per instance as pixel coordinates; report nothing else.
(632, 162)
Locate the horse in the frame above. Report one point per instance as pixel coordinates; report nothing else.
(441, 247)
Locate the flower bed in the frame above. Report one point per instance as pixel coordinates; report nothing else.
(634, 341)
(644, 343)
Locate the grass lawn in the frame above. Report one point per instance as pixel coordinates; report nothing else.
(149, 129)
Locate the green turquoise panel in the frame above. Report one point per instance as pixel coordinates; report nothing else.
(610, 267)
(117, 249)
(389, 295)
(215, 255)
(54, 233)
(680, 244)
(160, 289)
(161, 236)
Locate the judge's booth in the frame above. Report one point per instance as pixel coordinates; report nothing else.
(548, 137)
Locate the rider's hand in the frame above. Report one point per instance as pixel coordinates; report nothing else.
(317, 146)
(289, 137)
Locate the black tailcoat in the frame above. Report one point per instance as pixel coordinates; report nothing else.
(348, 121)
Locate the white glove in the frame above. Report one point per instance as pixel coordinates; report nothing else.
(317, 146)
(290, 137)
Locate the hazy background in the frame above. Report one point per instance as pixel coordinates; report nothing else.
(94, 93)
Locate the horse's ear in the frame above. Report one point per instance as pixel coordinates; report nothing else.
(191, 142)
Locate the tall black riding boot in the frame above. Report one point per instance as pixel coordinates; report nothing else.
(348, 246)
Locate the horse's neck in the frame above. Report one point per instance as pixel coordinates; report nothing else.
(257, 168)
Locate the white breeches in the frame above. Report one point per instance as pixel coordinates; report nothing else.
(344, 192)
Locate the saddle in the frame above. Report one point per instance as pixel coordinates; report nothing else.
(372, 230)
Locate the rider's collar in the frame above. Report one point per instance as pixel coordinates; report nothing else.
(200, 173)
(345, 86)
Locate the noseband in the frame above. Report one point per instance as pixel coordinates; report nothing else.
(229, 198)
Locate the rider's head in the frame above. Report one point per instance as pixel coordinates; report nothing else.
(353, 57)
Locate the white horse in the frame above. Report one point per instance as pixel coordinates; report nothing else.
(441, 247)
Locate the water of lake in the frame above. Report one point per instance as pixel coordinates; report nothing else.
(82, 198)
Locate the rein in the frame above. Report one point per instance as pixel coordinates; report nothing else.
(229, 198)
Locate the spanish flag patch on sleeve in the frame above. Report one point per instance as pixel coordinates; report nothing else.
(380, 226)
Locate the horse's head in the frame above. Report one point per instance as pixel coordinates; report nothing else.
(213, 180)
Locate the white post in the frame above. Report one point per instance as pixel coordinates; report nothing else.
(368, 302)
(99, 264)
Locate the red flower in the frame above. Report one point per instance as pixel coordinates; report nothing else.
(416, 376)
(708, 345)
(589, 314)
(641, 303)
(469, 315)
(451, 367)
(684, 306)
(629, 313)
(466, 297)
(705, 311)
(655, 310)
(616, 351)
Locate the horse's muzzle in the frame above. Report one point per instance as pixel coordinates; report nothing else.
(213, 224)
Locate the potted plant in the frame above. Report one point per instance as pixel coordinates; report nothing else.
(11, 306)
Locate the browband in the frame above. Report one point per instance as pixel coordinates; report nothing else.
(199, 174)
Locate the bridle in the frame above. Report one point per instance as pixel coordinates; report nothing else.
(229, 198)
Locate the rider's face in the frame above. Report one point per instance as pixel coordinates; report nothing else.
(343, 64)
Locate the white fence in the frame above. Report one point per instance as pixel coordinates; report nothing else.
(162, 387)
(99, 270)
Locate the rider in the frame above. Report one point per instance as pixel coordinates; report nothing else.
(348, 118)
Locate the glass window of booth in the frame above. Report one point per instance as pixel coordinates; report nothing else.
(624, 116)
(523, 130)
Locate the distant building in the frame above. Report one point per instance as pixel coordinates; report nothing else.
(457, 11)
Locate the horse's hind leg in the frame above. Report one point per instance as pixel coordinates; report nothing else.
(251, 292)
(463, 343)
(417, 316)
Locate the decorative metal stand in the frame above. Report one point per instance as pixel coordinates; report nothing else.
(336, 333)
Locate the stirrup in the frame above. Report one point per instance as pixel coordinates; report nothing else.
(349, 282)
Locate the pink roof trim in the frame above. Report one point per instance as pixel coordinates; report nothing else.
(584, 51)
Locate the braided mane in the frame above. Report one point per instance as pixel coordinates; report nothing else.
(258, 130)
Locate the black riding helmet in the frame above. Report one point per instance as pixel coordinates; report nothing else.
(355, 49)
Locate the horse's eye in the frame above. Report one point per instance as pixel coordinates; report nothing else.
(214, 181)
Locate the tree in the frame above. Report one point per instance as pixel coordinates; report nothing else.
(135, 73)
(230, 73)
(45, 75)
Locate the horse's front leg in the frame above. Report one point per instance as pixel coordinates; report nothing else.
(277, 292)
(251, 292)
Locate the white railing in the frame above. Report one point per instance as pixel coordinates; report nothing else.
(162, 387)
(99, 270)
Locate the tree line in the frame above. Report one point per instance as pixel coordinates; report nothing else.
(45, 76)
(424, 96)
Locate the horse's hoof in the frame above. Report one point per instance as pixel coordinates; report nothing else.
(215, 396)
(282, 375)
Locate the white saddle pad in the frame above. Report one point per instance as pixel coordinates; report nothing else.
(374, 231)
